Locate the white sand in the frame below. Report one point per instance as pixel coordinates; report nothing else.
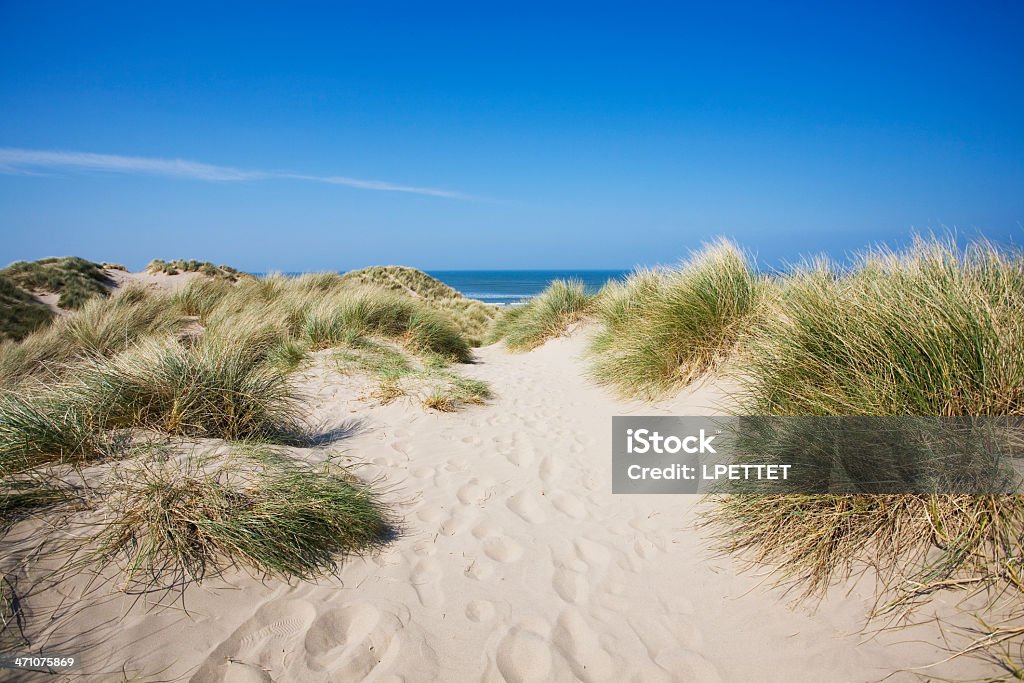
(516, 563)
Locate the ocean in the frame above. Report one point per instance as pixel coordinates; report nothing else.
(505, 287)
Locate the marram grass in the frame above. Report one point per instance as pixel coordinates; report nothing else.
(931, 331)
(169, 520)
(215, 388)
(42, 430)
(543, 317)
(934, 330)
(661, 330)
(341, 319)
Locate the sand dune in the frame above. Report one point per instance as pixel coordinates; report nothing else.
(515, 563)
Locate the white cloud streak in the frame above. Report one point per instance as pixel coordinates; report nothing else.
(32, 162)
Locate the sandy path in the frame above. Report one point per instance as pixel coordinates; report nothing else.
(516, 563)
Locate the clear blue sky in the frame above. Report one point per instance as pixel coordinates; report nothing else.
(505, 135)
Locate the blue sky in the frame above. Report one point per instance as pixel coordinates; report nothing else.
(307, 136)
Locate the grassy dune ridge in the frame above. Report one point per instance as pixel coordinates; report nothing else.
(661, 330)
(933, 330)
(547, 315)
(75, 279)
(20, 312)
(130, 387)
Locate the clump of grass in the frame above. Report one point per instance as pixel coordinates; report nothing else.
(29, 494)
(192, 266)
(201, 296)
(547, 315)
(215, 388)
(20, 312)
(662, 330)
(287, 356)
(917, 544)
(398, 375)
(341, 319)
(36, 431)
(469, 316)
(452, 392)
(101, 328)
(75, 279)
(932, 331)
(171, 521)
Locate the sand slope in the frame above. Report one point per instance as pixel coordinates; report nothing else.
(515, 563)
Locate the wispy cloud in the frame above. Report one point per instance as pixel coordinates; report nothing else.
(31, 161)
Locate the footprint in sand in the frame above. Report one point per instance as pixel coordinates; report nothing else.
(430, 513)
(485, 529)
(502, 549)
(521, 456)
(523, 657)
(503, 445)
(479, 611)
(479, 570)
(550, 468)
(457, 465)
(423, 472)
(568, 504)
(263, 644)
(571, 586)
(457, 522)
(353, 640)
(281, 623)
(581, 647)
(527, 506)
(472, 493)
(426, 580)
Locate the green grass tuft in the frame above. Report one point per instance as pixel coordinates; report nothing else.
(75, 279)
(174, 520)
(934, 330)
(662, 330)
(20, 312)
(547, 315)
(36, 431)
(214, 388)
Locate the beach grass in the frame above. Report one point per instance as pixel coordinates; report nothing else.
(427, 379)
(176, 266)
(20, 313)
(44, 429)
(214, 388)
(661, 330)
(173, 519)
(547, 315)
(89, 395)
(28, 494)
(101, 328)
(373, 313)
(74, 279)
(470, 317)
(934, 330)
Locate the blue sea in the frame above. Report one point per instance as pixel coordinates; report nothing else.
(505, 287)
